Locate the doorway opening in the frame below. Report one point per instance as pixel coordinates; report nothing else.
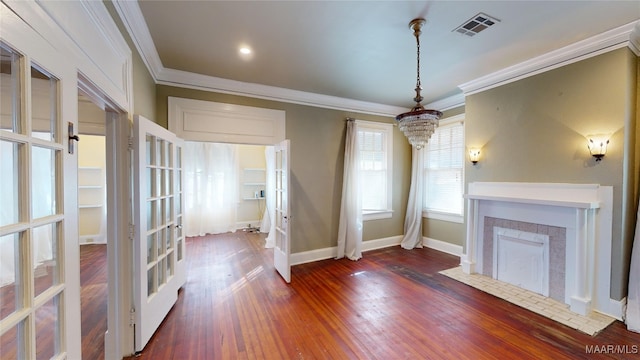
(227, 188)
(104, 212)
(92, 228)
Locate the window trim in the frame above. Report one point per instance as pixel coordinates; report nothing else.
(388, 129)
(449, 217)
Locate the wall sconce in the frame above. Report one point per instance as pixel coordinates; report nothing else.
(474, 155)
(598, 147)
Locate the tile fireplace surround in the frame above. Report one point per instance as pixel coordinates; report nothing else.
(583, 212)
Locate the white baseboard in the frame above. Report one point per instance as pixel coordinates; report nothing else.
(615, 308)
(381, 243)
(443, 246)
(92, 239)
(329, 253)
(313, 255)
(245, 224)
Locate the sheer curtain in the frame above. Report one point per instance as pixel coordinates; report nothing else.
(633, 299)
(211, 188)
(42, 200)
(270, 187)
(413, 220)
(350, 227)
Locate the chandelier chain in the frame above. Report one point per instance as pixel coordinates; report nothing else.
(418, 83)
(419, 123)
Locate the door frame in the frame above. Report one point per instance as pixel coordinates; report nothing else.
(107, 75)
(118, 339)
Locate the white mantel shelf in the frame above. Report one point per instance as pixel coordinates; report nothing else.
(549, 202)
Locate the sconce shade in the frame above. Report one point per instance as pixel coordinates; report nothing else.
(474, 155)
(598, 148)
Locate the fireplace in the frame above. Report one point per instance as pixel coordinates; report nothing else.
(521, 258)
(553, 239)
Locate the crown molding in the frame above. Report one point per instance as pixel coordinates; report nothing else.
(190, 80)
(131, 16)
(449, 103)
(634, 39)
(581, 50)
(133, 21)
(135, 24)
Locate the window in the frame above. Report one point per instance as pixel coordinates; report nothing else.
(375, 145)
(444, 172)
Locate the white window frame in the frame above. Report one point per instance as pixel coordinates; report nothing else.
(362, 125)
(439, 215)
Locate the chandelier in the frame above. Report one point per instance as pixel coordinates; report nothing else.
(418, 124)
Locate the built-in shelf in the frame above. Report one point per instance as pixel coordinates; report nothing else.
(253, 180)
(91, 203)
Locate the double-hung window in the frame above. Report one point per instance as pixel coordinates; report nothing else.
(375, 149)
(444, 172)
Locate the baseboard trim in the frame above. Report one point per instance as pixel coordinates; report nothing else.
(331, 252)
(245, 224)
(443, 246)
(615, 308)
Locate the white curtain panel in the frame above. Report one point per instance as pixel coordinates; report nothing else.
(270, 210)
(211, 188)
(633, 299)
(413, 220)
(41, 244)
(350, 227)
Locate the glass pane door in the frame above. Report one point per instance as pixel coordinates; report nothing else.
(36, 232)
(159, 240)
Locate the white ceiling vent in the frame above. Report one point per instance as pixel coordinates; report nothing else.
(476, 24)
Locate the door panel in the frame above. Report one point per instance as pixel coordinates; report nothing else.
(158, 241)
(282, 249)
(39, 251)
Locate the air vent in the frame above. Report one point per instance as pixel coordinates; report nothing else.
(476, 24)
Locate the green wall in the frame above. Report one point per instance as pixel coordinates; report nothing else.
(144, 87)
(533, 130)
(317, 138)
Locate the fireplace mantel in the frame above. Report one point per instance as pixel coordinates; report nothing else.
(550, 202)
(584, 210)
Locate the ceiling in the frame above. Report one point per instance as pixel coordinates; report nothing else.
(362, 50)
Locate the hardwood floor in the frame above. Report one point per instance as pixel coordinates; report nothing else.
(392, 304)
(93, 294)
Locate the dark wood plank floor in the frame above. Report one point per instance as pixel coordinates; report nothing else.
(94, 299)
(392, 304)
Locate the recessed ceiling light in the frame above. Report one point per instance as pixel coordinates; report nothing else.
(245, 50)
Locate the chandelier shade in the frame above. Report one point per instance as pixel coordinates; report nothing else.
(419, 123)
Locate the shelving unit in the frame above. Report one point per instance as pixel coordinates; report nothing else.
(253, 180)
(91, 207)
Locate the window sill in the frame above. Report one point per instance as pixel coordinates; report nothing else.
(377, 215)
(443, 216)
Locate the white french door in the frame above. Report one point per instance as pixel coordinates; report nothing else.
(282, 249)
(159, 247)
(39, 250)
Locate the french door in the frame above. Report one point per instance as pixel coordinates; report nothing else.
(282, 249)
(159, 247)
(39, 250)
